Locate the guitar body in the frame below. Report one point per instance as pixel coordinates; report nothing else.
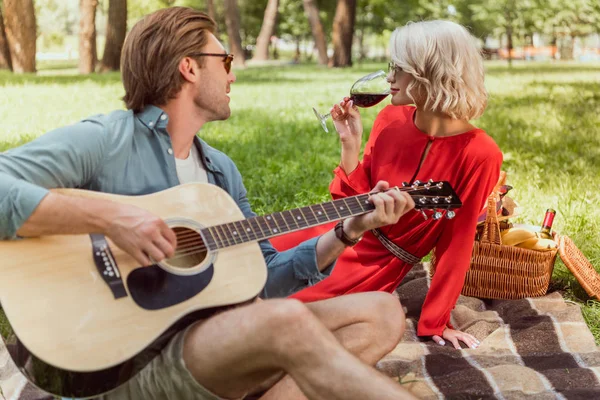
(80, 332)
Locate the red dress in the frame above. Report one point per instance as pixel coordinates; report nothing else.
(469, 161)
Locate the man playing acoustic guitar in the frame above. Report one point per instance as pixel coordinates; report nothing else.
(177, 76)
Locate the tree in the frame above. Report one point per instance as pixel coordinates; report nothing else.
(87, 36)
(232, 20)
(266, 31)
(567, 20)
(312, 13)
(210, 8)
(21, 34)
(5, 62)
(116, 28)
(343, 33)
(294, 26)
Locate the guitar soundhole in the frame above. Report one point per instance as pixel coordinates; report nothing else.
(191, 250)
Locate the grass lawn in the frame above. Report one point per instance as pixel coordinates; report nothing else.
(545, 118)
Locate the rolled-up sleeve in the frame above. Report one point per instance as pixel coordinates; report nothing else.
(19, 200)
(288, 271)
(65, 157)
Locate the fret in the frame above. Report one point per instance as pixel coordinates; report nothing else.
(291, 220)
(228, 229)
(245, 224)
(260, 233)
(351, 212)
(331, 211)
(321, 214)
(209, 239)
(341, 208)
(241, 234)
(271, 225)
(224, 235)
(280, 222)
(216, 230)
(312, 211)
(308, 223)
(357, 205)
(364, 203)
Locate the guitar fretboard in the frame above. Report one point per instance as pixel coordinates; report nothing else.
(268, 226)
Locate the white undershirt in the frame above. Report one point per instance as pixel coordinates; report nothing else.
(191, 169)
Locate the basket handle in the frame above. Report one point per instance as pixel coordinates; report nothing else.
(491, 226)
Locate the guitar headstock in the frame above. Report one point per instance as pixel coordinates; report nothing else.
(433, 195)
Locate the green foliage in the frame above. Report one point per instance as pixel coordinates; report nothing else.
(544, 117)
(292, 20)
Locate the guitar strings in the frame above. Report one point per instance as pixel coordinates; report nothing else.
(194, 244)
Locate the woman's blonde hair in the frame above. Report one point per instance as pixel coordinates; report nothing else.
(446, 65)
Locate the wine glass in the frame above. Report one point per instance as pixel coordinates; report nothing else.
(366, 92)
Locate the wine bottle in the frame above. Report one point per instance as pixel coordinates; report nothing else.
(546, 231)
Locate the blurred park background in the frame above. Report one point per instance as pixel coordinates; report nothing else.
(59, 62)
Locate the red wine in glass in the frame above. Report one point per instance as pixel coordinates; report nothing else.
(365, 100)
(369, 90)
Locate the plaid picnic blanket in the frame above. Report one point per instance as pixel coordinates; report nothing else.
(532, 348)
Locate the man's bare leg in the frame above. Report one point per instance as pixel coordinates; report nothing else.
(371, 330)
(235, 351)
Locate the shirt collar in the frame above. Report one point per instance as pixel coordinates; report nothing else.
(153, 117)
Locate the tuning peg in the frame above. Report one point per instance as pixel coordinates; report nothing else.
(450, 214)
(423, 200)
(437, 215)
(416, 184)
(430, 181)
(435, 200)
(405, 184)
(439, 185)
(425, 217)
(448, 199)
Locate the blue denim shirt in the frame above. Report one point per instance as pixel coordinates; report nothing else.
(131, 154)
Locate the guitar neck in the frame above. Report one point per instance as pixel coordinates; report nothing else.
(279, 223)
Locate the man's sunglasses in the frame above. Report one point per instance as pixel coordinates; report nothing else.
(227, 58)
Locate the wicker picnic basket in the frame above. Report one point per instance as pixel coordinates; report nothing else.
(500, 271)
(579, 266)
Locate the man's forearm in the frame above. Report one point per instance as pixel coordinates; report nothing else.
(329, 247)
(61, 214)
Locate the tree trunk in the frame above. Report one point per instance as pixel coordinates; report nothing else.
(21, 34)
(5, 62)
(362, 50)
(232, 20)
(210, 8)
(343, 33)
(509, 44)
(87, 36)
(297, 53)
(312, 13)
(116, 28)
(261, 53)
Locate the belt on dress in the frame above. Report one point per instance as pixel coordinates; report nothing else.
(396, 250)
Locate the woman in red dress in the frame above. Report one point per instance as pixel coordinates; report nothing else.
(437, 67)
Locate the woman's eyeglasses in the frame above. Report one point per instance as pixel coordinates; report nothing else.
(393, 68)
(227, 59)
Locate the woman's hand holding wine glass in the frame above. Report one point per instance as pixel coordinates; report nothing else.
(365, 92)
(348, 124)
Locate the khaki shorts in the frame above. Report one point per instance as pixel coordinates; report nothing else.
(164, 378)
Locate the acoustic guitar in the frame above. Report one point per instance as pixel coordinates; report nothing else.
(86, 317)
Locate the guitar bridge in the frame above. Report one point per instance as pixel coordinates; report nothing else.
(107, 266)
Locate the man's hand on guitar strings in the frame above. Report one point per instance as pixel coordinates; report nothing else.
(141, 234)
